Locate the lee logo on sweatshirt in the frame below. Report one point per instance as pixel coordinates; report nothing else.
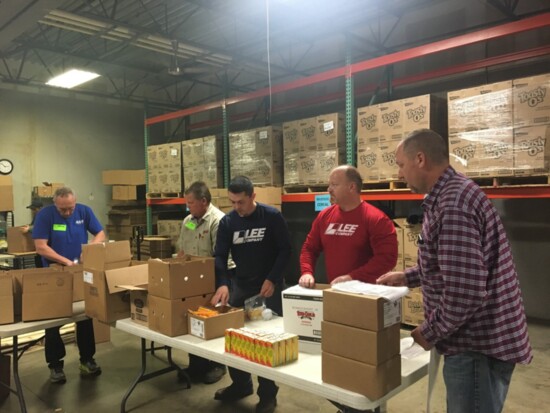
(249, 235)
(346, 230)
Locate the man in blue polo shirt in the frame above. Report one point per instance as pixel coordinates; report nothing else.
(59, 232)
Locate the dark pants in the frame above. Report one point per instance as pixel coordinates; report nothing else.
(242, 379)
(55, 348)
(200, 365)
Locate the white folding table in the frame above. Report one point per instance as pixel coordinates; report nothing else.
(304, 374)
(16, 329)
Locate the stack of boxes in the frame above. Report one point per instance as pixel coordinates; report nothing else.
(153, 247)
(381, 127)
(312, 148)
(47, 189)
(361, 335)
(202, 161)
(127, 204)
(165, 168)
(170, 228)
(258, 154)
(6, 193)
(176, 286)
(531, 98)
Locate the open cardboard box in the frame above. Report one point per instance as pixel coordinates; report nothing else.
(215, 326)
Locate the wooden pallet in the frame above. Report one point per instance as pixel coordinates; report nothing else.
(296, 189)
(384, 186)
(164, 195)
(508, 181)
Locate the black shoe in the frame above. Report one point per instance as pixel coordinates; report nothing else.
(191, 374)
(266, 405)
(233, 393)
(214, 375)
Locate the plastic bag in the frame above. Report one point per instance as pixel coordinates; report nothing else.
(254, 307)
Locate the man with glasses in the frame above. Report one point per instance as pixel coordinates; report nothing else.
(59, 232)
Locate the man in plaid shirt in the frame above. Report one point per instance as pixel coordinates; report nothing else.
(473, 307)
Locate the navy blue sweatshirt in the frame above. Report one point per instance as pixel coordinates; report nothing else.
(259, 245)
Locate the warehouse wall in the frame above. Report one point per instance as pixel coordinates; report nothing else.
(67, 140)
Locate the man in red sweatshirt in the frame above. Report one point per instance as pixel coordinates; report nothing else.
(358, 240)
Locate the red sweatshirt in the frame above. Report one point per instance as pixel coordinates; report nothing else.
(361, 243)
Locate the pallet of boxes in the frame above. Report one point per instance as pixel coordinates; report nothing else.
(312, 147)
(381, 127)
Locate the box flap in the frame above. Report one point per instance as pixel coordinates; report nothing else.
(140, 287)
(106, 255)
(312, 292)
(132, 275)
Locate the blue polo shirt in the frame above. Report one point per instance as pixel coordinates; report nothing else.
(65, 235)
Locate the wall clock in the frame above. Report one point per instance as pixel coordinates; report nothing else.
(6, 166)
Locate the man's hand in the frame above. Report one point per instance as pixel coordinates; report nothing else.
(221, 296)
(268, 288)
(341, 279)
(24, 229)
(307, 281)
(419, 338)
(181, 253)
(393, 279)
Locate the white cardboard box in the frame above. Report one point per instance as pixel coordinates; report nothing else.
(302, 315)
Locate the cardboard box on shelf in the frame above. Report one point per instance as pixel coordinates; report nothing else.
(532, 150)
(400, 232)
(392, 121)
(124, 177)
(425, 112)
(369, 159)
(46, 295)
(47, 189)
(104, 297)
(127, 217)
(170, 317)
(388, 170)
(6, 193)
(359, 310)
(368, 124)
(412, 308)
(268, 195)
(170, 228)
(153, 247)
(531, 97)
(175, 278)
(291, 170)
(19, 241)
(208, 328)
(302, 315)
(291, 133)
(307, 131)
(365, 346)
(331, 131)
(128, 192)
(7, 315)
(368, 380)
(411, 233)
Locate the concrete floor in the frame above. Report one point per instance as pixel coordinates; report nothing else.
(529, 392)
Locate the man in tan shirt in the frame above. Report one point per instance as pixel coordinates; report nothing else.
(198, 237)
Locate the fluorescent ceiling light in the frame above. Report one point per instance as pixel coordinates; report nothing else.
(72, 78)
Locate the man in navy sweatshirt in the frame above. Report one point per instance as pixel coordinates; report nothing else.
(257, 237)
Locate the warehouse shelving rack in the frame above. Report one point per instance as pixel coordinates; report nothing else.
(349, 70)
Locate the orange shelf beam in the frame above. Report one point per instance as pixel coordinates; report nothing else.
(165, 201)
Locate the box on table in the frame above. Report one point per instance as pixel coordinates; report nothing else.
(124, 177)
(208, 328)
(532, 150)
(170, 317)
(366, 379)
(302, 315)
(104, 298)
(19, 241)
(7, 314)
(532, 101)
(365, 346)
(6, 193)
(188, 276)
(412, 308)
(17, 276)
(359, 310)
(139, 303)
(46, 294)
(104, 256)
(78, 278)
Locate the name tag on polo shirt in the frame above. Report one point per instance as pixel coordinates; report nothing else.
(59, 227)
(191, 225)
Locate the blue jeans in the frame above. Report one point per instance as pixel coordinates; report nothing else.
(476, 383)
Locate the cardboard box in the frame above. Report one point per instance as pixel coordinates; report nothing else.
(388, 170)
(6, 193)
(128, 192)
(181, 277)
(531, 101)
(213, 327)
(412, 308)
(366, 379)
(291, 172)
(532, 150)
(104, 296)
(48, 189)
(102, 332)
(17, 276)
(18, 241)
(170, 317)
(399, 231)
(77, 272)
(124, 177)
(106, 256)
(369, 160)
(170, 228)
(268, 195)
(307, 131)
(365, 346)
(127, 217)
(7, 315)
(139, 304)
(331, 131)
(361, 311)
(291, 133)
(46, 295)
(153, 247)
(425, 112)
(302, 315)
(410, 241)
(368, 124)
(392, 121)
